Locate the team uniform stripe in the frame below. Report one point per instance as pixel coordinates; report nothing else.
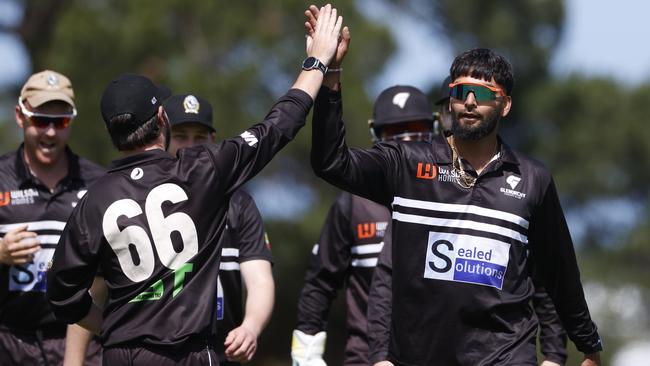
(229, 266)
(366, 262)
(469, 209)
(230, 252)
(35, 226)
(48, 239)
(462, 224)
(367, 248)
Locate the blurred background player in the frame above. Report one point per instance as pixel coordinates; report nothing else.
(40, 183)
(246, 253)
(443, 116)
(352, 238)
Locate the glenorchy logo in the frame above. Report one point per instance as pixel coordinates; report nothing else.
(512, 181)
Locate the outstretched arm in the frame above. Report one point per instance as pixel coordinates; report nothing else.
(240, 158)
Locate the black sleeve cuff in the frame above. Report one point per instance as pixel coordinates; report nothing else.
(74, 312)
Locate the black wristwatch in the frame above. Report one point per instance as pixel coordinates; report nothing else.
(312, 63)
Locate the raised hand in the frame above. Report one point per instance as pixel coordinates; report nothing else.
(323, 41)
(344, 40)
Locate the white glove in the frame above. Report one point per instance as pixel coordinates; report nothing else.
(307, 350)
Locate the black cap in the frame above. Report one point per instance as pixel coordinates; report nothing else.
(187, 108)
(444, 91)
(401, 103)
(134, 94)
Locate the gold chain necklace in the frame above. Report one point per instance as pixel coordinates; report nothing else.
(463, 178)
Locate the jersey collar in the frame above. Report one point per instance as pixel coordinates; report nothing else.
(443, 154)
(139, 158)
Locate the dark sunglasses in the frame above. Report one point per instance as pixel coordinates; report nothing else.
(40, 120)
(482, 92)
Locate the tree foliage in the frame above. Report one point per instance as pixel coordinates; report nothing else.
(242, 55)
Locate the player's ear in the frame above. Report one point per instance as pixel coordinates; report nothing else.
(20, 121)
(162, 116)
(213, 137)
(507, 104)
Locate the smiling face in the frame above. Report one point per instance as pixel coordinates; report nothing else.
(44, 145)
(473, 120)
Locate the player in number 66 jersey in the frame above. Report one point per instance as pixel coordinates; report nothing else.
(153, 224)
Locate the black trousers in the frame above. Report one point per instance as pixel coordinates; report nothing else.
(21, 348)
(196, 355)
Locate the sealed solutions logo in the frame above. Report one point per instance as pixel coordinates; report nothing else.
(466, 258)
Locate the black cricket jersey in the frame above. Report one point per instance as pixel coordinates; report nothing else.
(244, 240)
(552, 337)
(24, 199)
(345, 256)
(462, 258)
(153, 226)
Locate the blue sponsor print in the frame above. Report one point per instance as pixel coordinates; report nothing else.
(219, 308)
(479, 272)
(41, 281)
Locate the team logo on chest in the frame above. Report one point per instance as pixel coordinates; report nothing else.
(371, 229)
(512, 181)
(426, 171)
(18, 197)
(466, 258)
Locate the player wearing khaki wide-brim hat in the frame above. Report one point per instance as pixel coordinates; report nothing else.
(47, 86)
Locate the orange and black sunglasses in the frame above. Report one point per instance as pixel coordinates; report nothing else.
(482, 92)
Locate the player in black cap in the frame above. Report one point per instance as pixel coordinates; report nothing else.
(154, 223)
(352, 238)
(246, 252)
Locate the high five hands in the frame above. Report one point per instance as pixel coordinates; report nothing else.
(322, 41)
(313, 15)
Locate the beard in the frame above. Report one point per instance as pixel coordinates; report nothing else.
(479, 130)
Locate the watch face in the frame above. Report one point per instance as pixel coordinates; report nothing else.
(309, 63)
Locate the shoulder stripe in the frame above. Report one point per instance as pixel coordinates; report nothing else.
(367, 248)
(229, 266)
(462, 224)
(469, 209)
(230, 252)
(35, 226)
(366, 262)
